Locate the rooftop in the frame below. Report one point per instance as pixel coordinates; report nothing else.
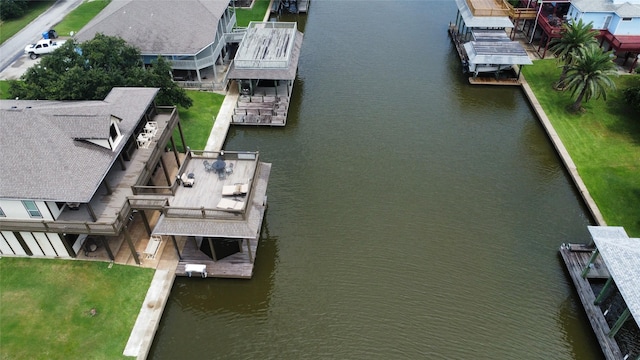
(268, 50)
(621, 254)
(159, 27)
(50, 155)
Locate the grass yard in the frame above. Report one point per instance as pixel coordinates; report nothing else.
(198, 120)
(256, 13)
(11, 27)
(46, 308)
(79, 17)
(4, 90)
(604, 142)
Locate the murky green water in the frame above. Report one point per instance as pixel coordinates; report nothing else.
(411, 215)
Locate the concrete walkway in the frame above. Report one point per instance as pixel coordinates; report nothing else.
(150, 314)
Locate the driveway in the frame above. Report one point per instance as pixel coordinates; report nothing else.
(13, 49)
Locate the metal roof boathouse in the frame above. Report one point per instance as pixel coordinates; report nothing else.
(479, 34)
(606, 275)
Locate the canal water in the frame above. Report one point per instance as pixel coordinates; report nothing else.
(411, 215)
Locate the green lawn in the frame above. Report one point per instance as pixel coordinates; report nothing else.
(257, 13)
(46, 308)
(604, 143)
(4, 90)
(11, 27)
(79, 17)
(197, 121)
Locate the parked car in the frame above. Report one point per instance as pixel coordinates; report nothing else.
(43, 46)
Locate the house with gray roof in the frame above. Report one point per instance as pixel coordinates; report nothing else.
(76, 172)
(196, 36)
(70, 166)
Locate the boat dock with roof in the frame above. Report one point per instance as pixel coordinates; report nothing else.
(606, 276)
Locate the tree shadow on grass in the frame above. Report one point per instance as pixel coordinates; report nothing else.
(626, 114)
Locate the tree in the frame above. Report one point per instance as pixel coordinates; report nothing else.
(12, 9)
(575, 35)
(88, 71)
(632, 96)
(589, 74)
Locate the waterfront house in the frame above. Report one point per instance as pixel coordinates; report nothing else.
(196, 36)
(69, 167)
(617, 20)
(265, 67)
(78, 172)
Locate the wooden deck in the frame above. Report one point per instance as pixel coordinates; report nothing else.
(238, 266)
(493, 81)
(573, 256)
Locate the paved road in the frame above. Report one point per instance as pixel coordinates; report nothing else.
(13, 48)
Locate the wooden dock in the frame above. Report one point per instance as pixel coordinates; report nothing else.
(574, 258)
(238, 266)
(493, 81)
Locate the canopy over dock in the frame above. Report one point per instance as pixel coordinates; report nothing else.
(497, 52)
(621, 254)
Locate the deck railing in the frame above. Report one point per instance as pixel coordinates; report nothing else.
(482, 9)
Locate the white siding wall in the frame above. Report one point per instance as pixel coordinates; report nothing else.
(14, 209)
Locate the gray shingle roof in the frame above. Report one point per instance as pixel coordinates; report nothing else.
(159, 27)
(42, 161)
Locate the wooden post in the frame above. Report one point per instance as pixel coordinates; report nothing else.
(184, 143)
(621, 320)
(175, 151)
(67, 246)
(105, 243)
(145, 221)
(175, 245)
(586, 269)
(604, 291)
(123, 166)
(106, 185)
(213, 251)
(249, 250)
(165, 171)
(91, 212)
(127, 237)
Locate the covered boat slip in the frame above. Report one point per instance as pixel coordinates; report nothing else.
(265, 68)
(212, 236)
(493, 56)
(613, 307)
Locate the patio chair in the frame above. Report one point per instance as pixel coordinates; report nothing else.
(207, 165)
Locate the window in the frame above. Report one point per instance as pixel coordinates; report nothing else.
(113, 132)
(626, 19)
(2, 213)
(32, 209)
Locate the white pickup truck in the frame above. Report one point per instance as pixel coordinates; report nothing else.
(43, 46)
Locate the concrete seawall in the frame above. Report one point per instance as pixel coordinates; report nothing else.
(564, 155)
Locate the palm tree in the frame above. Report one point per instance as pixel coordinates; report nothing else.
(589, 74)
(575, 35)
